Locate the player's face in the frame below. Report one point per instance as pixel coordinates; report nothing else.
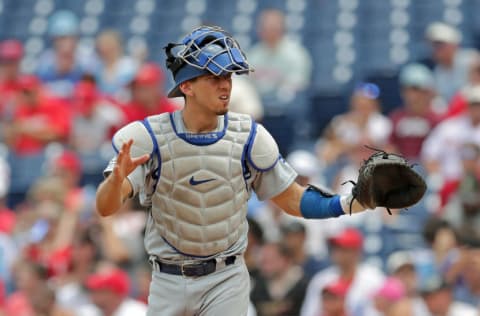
(212, 93)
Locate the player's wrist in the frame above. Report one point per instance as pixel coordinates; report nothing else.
(317, 204)
(115, 179)
(350, 205)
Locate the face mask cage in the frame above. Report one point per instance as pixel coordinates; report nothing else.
(208, 48)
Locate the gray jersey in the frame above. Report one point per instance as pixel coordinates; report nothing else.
(266, 184)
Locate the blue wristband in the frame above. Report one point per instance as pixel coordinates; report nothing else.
(314, 204)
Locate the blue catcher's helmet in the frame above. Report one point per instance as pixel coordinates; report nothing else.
(206, 50)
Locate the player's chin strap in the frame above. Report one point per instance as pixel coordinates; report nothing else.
(173, 63)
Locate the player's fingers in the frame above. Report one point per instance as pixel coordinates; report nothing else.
(124, 151)
(126, 146)
(140, 160)
(120, 155)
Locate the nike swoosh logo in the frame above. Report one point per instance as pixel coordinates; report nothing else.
(196, 182)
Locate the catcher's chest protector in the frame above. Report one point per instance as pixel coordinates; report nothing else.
(200, 202)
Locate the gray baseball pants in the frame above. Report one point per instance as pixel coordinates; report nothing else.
(224, 292)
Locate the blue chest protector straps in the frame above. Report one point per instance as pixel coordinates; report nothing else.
(317, 203)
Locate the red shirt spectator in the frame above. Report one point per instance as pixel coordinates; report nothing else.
(96, 118)
(415, 119)
(37, 119)
(11, 53)
(147, 94)
(410, 130)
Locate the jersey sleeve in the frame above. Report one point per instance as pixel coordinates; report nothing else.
(268, 184)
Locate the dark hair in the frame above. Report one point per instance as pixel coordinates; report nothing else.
(433, 226)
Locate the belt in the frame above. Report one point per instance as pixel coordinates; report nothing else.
(191, 269)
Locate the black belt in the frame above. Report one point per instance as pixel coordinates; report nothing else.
(192, 269)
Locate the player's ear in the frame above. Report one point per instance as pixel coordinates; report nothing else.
(186, 88)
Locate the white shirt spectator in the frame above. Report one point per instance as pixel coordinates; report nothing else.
(377, 129)
(129, 307)
(445, 141)
(367, 281)
(449, 81)
(245, 99)
(285, 69)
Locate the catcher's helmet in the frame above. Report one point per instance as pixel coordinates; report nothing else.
(206, 50)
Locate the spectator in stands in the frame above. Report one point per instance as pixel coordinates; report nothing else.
(116, 70)
(362, 125)
(384, 299)
(147, 94)
(450, 62)
(47, 230)
(441, 150)
(109, 288)
(412, 123)
(29, 279)
(463, 207)
(61, 67)
(286, 282)
(294, 239)
(346, 255)
(282, 66)
(442, 252)
(11, 53)
(244, 98)
(401, 265)
(466, 277)
(438, 299)
(121, 236)
(67, 168)
(459, 105)
(38, 120)
(44, 303)
(69, 287)
(333, 298)
(307, 166)
(95, 119)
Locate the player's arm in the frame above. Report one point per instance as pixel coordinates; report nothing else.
(311, 202)
(116, 188)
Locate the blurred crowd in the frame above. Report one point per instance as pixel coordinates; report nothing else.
(57, 257)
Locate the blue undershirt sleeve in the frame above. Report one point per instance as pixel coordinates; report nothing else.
(318, 204)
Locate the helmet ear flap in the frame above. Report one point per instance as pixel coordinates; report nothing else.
(173, 63)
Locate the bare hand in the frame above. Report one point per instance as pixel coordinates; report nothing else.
(125, 163)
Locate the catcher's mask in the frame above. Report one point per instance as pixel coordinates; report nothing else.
(206, 50)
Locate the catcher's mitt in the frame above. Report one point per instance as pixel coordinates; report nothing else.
(387, 180)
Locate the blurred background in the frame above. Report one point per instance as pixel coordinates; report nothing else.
(330, 77)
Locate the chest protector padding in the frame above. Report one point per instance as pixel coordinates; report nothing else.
(200, 202)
